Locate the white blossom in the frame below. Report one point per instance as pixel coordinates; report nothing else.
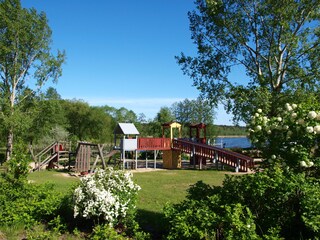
(259, 110)
(104, 194)
(317, 129)
(303, 164)
(279, 119)
(258, 128)
(294, 115)
(294, 106)
(256, 114)
(312, 115)
(300, 121)
(285, 127)
(288, 107)
(309, 129)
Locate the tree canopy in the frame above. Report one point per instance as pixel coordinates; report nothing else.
(25, 57)
(276, 44)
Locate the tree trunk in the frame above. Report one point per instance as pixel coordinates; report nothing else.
(9, 145)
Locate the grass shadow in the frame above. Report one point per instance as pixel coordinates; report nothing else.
(153, 223)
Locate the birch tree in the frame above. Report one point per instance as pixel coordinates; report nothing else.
(275, 43)
(25, 60)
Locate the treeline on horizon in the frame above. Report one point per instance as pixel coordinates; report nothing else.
(48, 118)
(226, 130)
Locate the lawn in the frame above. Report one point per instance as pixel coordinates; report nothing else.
(157, 189)
(166, 186)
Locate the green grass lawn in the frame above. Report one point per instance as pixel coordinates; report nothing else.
(62, 180)
(160, 187)
(157, 189)
(166, 186)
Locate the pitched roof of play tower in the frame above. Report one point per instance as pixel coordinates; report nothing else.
(126, 128)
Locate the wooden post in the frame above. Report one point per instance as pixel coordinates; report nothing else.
(136, 152)
(100, 149)
(194, 155)
(217, 160)
(146, 159)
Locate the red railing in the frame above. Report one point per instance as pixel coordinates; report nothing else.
(233, 159)
(154, 143)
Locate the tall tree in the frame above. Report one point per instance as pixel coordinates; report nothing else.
(276, 43)
(193, 111)
(25, 56)
(87, 123)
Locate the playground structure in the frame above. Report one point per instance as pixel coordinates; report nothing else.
(128, 144)
(52, 155)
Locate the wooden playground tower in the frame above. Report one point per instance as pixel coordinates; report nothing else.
(197, 128)
(171, 158)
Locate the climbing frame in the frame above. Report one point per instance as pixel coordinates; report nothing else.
(83, 157)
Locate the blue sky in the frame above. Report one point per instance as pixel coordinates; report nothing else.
(121, 53)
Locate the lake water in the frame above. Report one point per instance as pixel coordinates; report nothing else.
(234, 142)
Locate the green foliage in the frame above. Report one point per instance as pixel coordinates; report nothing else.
(274, 44)
(47, 115)
(270, 204)
(18, 167)
(223, 130)
(290, 138)
(204, 215)
(86, 122)
(193, 111)
(27, 204)
(25, 54)
(105, 232)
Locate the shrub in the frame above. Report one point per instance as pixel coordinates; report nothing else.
(108, 196)
(17, 168)
(27, 204)
(23, 203)
(105, 232)
(205, 215)
(291, 138)
(273, 203)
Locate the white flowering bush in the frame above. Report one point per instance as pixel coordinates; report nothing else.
(290, 138)
(107, 195)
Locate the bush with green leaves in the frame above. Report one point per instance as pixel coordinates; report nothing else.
(271, 204)
(27, 204)
(291, 138)
(104, 231)
(18, 167)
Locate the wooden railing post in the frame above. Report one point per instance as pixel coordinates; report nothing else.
(238, 165)
(194, 155)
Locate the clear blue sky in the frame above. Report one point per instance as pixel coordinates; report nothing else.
(121, 53)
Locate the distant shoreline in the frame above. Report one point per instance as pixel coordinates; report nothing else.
(232, 136)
